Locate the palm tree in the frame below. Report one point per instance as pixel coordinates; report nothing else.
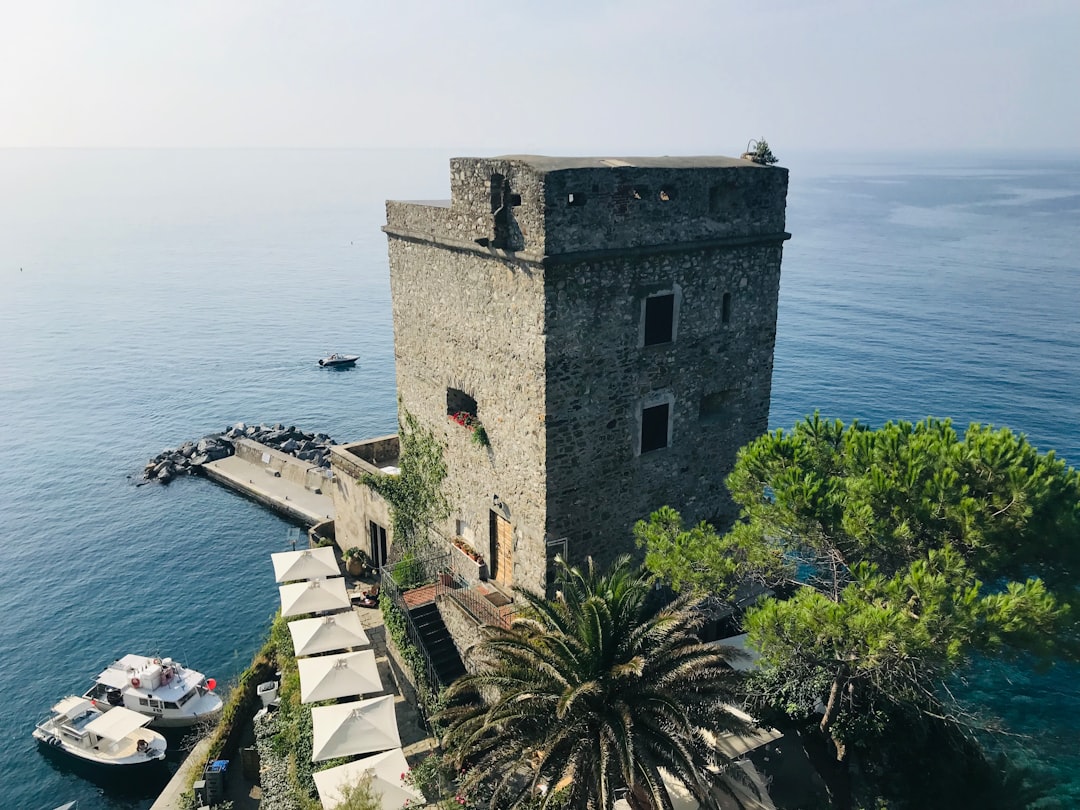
(588, 696)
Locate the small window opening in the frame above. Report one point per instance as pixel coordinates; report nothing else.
(575, 198)
(654, 427)
(667, 194)
(459, 402)
(725, 309)
(659, 319)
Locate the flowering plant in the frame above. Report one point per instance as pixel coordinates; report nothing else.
(465, 419)
(468, 550)
(471, 423)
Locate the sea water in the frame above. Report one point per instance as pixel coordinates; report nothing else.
(148, 297)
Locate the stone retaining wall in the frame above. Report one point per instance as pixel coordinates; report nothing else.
(463, 628)
(312, 478)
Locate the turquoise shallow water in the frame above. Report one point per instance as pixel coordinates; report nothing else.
(165, 294)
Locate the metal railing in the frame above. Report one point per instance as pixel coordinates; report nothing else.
(477, 605)
(436, 573)
(404, 576)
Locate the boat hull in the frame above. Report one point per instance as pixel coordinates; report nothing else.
(167, 721)
(168, 718)
(52, 744)
(135, 683)
(338, 363)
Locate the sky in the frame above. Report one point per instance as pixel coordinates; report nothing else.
(591, 76)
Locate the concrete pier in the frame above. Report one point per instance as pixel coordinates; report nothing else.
(277, 480)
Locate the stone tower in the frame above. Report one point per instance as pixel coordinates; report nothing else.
(609, 322)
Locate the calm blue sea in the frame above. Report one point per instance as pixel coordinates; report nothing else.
(148, 297)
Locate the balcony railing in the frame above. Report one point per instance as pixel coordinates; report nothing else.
(409, 576)
(474, 602)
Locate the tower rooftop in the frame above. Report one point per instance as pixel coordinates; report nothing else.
(548, 163)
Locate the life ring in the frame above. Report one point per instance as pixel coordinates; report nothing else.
(135, 682)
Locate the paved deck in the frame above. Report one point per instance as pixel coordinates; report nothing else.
(246, 794)
(279, 494)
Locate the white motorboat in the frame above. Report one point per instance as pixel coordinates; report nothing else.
(166, 691)
(339, 360)
(86, 732)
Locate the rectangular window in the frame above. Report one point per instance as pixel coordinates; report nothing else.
(659, 319)
(654, 427)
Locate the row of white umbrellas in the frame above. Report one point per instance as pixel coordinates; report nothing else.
(345, 729)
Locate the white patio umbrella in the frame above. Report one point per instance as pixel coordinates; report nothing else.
(360, 727)
(332, 676)
(734, 745)
(385, 770)
(310, 563)
(328, 633)
(314, 596)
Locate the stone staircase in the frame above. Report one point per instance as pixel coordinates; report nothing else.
(438, 643)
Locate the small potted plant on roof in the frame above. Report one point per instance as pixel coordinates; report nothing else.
(356, 561)
(759, 152)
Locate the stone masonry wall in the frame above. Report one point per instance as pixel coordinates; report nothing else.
(354, 503)
(566, 205)
(599, 376)
(462, 627)
(601, 209)
(285, 465)
(468, 216)
(475, 323)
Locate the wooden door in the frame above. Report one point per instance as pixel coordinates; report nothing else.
(502, 550)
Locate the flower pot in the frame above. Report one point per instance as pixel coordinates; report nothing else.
(354, 566)
(466, 567)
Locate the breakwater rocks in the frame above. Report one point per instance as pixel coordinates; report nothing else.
(188, 458)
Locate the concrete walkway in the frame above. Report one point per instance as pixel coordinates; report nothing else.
(169, 798)
(280, 494)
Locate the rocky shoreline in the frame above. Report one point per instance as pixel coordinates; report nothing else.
(188, 458)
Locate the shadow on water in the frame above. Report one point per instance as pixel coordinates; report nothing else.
(130, 782)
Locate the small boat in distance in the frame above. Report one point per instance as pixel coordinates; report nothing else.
(81, 729)
(164, 690)
(339, 360)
